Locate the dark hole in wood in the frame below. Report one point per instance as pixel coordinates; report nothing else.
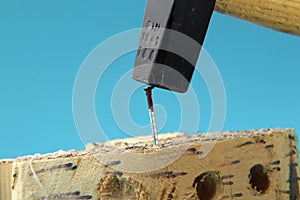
(206, 185)
(259, 179)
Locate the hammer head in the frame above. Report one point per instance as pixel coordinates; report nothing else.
(170, 42)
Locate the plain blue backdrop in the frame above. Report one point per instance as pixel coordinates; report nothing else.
(43, 43)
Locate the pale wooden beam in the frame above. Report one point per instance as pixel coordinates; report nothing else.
(280, 15)
(5, 179)
(242, 165)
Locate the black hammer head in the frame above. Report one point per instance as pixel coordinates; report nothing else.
(170, 42)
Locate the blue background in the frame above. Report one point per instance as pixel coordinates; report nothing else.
(43, 43)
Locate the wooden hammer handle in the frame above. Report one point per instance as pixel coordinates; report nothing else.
(280, 15)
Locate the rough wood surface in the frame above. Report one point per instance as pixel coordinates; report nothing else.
(242, 165)
(281, 15)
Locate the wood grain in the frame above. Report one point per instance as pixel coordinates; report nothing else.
(280, 15)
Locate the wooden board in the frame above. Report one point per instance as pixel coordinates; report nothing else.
(241, 165)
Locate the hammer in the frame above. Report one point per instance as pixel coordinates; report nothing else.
(170, 28)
